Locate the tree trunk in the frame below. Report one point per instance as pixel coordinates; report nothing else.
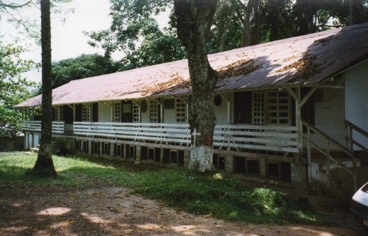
(247, 31)
(44, 166)
(194, 19)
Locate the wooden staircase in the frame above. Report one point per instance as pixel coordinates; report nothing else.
(327, 163)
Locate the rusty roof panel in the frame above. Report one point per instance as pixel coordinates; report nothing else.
(303, 60)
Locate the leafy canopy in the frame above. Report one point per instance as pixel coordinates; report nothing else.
(135, 32)
(14, 88)
(81, 67)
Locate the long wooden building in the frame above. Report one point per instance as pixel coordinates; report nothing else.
(281, 108)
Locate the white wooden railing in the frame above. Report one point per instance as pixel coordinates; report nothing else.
(326, 151)
(257, 137)
(355, 136)
(142, 132)
(35, 126)
(226, 137)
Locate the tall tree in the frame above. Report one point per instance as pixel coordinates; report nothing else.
(86, 65)
(44, 166)
(237, 23)
(135, 32)
(13, 87)
(194, 21)
(226, 32)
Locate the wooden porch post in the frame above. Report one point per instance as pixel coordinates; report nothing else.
(309, 160)
(328, 164)
(299, 102)
(298, 117)
(125, 153)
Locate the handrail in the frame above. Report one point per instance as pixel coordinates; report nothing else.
(271, 138)
(326, 153)
(350, 139)
(240, 137)
(326, 136)
(35, 126)
(357, 128)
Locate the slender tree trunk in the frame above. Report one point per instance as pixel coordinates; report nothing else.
(247, 32)
(44, 166)
(194, 19)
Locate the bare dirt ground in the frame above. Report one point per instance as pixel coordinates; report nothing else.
(117, 211)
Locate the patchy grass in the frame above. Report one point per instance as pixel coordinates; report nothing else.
(215, 195)
(74, 171)
(224, 197)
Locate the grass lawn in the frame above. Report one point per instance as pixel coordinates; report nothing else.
(217, 195)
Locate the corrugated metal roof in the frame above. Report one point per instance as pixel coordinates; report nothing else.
(304, 60)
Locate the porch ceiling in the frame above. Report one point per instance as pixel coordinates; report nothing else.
(304, 60)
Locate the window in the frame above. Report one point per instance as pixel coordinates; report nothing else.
(279, 170)
(278, 108)
(219, 162)
(58, 114)
(169, 104)
(85, 113)
(95, 112)
(61, 114)
(181, 111)
(238, 164)
(154, 112)
(105, 148)
(150, 153)
(173, 157)
(118, 150)
(253, 167)
(126, 113)
(263, 108)
(258, 108)
(247, 166)
(117, 112)
(136, 113)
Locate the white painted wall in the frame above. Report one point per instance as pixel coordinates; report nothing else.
(104, 112)
(169, 116)
(356, 99)
(329, 115)
(145, 117)
(221, 111)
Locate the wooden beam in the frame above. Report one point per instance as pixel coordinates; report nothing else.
(307, 96)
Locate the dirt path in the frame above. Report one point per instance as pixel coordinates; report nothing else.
(115, 211)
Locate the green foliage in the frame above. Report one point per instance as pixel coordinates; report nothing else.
(225, 198)
(17, 13)
(71, 172)
(227, 28)
(218, 195)
(135, 32)
(81, 67)
(156, 48)
(14, 88)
